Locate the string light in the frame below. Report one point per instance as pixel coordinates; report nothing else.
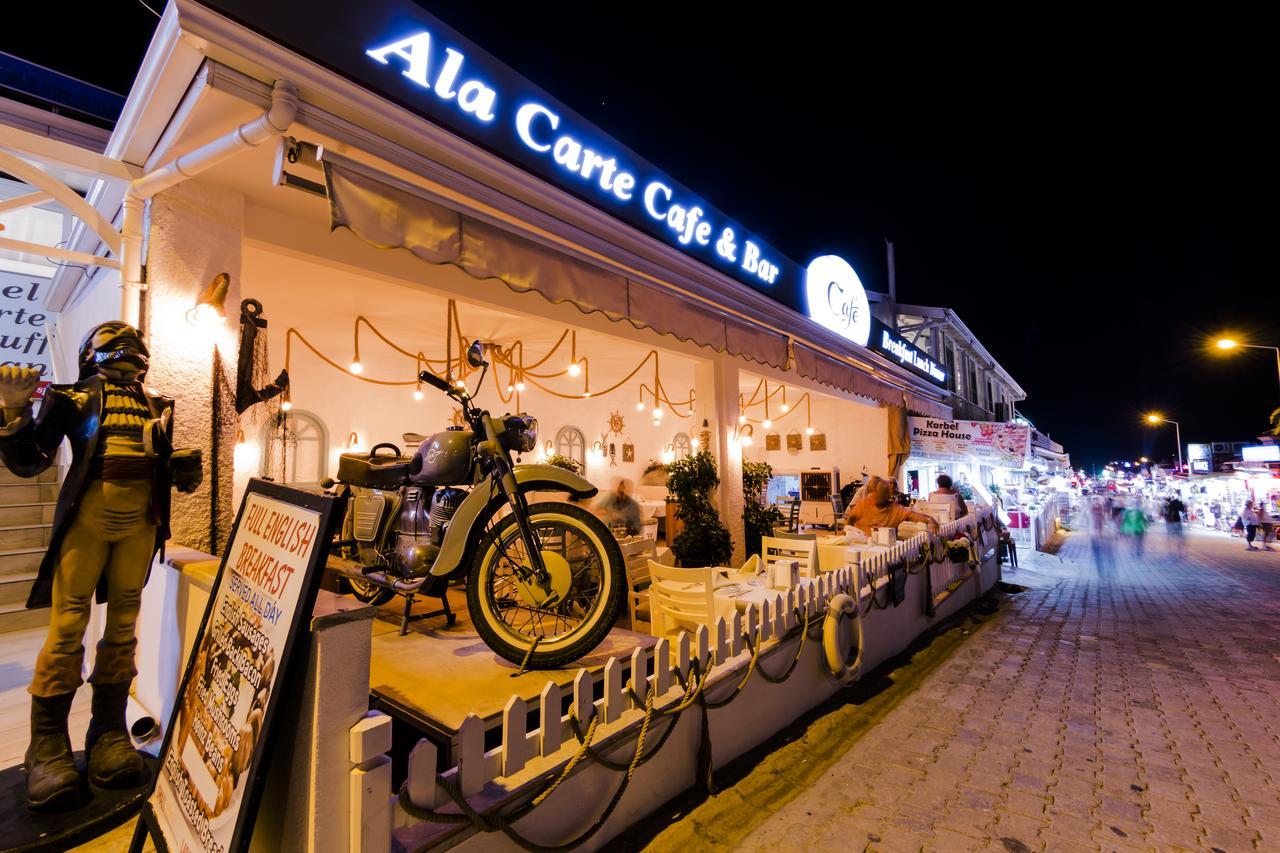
(417, 393)
(657, 413)
(356, 367)
(742, 419)
(520, 386)
(574, 369)
(640, 406)
(768, 424)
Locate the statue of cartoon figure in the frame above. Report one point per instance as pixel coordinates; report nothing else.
(111, 518)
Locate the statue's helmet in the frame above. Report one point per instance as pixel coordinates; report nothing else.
(114, 343)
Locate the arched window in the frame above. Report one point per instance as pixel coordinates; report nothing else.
(681, 445)
(303, 459)
(572, 443)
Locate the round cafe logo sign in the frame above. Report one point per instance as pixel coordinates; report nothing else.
(836, 299)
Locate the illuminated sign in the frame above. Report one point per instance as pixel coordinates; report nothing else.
(1261, 453)
(577, 154)
(904, 353)
(398, 51)
(836, 298)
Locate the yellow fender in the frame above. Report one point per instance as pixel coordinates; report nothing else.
(845, 667)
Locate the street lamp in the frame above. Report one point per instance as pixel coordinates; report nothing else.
(1231, 343)
(1156, 420)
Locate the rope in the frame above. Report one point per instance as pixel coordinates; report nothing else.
(694, 687)
(524, 664)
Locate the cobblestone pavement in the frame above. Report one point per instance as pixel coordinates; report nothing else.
(1132, 706)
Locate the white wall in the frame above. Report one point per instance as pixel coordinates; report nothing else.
(857, 435)
(322, 302)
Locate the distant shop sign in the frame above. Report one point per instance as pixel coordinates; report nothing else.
(986, 442)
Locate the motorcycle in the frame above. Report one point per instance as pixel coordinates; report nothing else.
(545, 581)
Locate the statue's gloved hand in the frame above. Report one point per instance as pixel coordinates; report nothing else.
(185, 469)
(17, 384)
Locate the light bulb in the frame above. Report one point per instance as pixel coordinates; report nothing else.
(510, 387)
(746, 441)
(808, 430)
(356, 367)
(459, 383)
(586, 393)
(768, 424)
(574, 369)
(657, 413)
(417, 393)
(640, 406)
(286, 406)
(520, 387)
(785, 408)
(742, 419)
(693, 442)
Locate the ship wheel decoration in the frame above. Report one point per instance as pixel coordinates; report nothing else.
(616, 424)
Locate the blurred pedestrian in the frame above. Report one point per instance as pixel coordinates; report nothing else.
(1173, 511)
(1266, 523)
(1135, 525)
(1249, 517)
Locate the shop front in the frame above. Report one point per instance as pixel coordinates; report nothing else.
(388, 193)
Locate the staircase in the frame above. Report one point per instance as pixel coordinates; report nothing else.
(26, 522)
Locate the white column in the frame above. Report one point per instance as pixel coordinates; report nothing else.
(196, 232)
(716, 385)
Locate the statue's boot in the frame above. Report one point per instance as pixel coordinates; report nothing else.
(52, 779)
(112, 761)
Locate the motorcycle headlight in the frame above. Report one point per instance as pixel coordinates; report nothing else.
(520, 433)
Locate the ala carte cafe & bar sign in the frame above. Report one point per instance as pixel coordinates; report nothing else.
(395, 49)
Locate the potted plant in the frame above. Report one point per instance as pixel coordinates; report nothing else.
(704, 540)
(758, 519)
(565, 462)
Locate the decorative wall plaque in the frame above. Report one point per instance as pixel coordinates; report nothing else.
(795, 442)
(773, 441)
(818, 441)
(628, 452)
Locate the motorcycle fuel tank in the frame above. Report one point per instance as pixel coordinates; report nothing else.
(444, 459)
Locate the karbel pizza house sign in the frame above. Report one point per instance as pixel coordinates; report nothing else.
(988, 442)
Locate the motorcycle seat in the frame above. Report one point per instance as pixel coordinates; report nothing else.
(373, 472)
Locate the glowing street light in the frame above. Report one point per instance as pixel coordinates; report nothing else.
(1232, 343)
(1156, 419)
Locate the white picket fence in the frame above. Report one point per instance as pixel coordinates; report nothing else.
(526, 754)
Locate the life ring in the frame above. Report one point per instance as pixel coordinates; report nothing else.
(845, 667)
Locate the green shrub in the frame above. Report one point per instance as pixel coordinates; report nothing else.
(704, 540)
(758, 519)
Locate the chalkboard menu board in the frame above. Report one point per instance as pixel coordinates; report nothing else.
(214, 758)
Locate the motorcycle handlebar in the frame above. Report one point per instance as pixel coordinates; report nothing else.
(435, 381)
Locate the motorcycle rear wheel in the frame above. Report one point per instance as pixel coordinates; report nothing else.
(580, 620)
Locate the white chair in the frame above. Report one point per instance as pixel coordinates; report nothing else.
(804, 552)
(638, 553)
(681, 599)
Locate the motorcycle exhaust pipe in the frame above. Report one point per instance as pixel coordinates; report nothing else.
(398, 584)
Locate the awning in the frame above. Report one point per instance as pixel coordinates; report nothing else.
(388, 213)
(820, 367)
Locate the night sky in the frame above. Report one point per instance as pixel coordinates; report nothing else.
(1087, 195)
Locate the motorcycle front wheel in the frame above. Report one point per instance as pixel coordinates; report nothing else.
(370, 593)
(569, 613)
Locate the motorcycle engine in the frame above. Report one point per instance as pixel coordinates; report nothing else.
(421, 527)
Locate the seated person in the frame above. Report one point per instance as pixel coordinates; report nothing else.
(619, 508)
(864, 490)
(947, 493)
(878, 509)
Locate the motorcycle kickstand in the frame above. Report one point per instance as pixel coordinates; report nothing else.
(404, 620)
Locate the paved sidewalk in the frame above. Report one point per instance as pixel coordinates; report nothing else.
(1135, 707)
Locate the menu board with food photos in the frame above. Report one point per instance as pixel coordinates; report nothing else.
(213, 761)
